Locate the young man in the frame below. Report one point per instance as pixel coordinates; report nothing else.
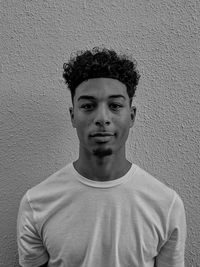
(101, 210)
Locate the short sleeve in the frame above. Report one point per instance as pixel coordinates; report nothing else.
(30, 246)
(173, 251)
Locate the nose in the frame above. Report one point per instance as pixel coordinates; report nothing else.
(102, 117)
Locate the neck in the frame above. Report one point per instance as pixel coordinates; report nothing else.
(102, 168)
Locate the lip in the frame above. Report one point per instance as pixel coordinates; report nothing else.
(101, 134)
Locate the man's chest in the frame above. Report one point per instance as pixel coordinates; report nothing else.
(104, 230)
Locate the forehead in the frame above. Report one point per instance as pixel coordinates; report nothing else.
(101, 88)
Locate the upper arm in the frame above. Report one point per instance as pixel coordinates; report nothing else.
(30, 246)
(172, 252)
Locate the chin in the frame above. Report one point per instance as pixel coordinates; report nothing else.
(102, 152)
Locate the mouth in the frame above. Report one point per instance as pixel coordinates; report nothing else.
(101, 134)
(102, 137)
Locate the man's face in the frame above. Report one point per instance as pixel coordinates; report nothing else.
(102, 115)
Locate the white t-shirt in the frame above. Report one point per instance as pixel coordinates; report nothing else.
(71, 221)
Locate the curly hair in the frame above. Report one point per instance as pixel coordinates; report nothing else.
(101, 63)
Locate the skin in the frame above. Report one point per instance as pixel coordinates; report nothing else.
(101, 106)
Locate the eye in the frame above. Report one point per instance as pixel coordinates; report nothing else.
(116, 106)
(87, 107)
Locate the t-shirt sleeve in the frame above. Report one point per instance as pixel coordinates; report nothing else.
(31, 250)
(172, 252)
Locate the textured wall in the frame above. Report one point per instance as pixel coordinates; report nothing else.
(36, 135)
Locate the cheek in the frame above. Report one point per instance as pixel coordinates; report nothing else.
(79, 119)
(124, 126)
(82, 124)
(123, 120)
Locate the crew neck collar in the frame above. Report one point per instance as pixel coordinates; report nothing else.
(103, 184)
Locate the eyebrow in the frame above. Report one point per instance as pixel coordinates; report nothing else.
(88, 97)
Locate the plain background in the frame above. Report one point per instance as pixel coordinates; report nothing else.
(36, 135)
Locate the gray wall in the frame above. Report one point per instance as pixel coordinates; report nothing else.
(36, 134)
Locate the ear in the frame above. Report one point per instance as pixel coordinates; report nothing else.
(71, 111)
(133, 114)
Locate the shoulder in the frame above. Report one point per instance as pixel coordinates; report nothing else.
(152, 192)
(54, 184)
(159, 202)
(146, 180)
(51, 190)
(45, 198)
